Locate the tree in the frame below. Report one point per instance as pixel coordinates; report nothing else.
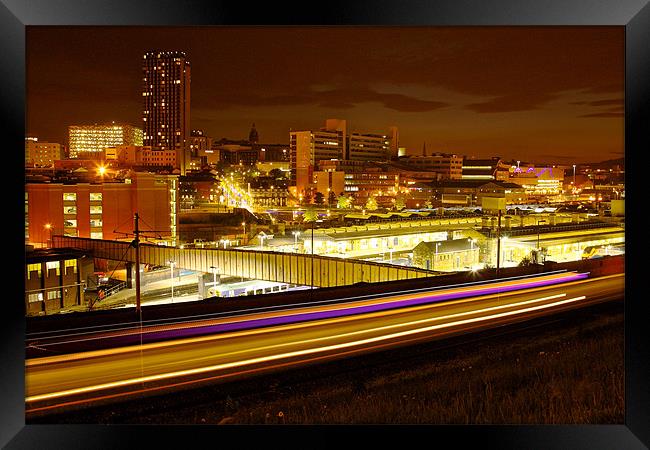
(276, 173)
(310, 215)
(331, 198)
(525, 261)
(400, 203)
(371, 204)
(319, 198)
(343, 202)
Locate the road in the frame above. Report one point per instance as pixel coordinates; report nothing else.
(272, 340)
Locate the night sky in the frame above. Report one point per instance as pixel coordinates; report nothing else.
(551, 94)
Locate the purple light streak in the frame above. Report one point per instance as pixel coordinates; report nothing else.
(310, 316)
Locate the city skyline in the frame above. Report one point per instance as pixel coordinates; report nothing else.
(476, 91)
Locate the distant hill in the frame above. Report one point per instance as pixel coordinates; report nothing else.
(610, 163)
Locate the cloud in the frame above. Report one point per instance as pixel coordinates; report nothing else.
(511, 103)
(604, 114)
(614, 101)
(341, 98)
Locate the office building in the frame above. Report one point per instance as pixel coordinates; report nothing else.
(102, 210)
(166, 104)
(84, 140)
(368, 147)
(333, 141)
(485, 169)
(41, 154)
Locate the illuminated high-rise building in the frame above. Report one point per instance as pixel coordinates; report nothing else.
(86, 140)
(333, 141)
(166, 104)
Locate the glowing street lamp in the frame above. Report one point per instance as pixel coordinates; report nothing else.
(574, 174)
(48, 226)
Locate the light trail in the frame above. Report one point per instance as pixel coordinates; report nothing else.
(136, 348)
(88, 377)
(251, 361)
(248, 321)
(318, 303)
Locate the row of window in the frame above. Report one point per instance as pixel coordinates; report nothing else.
(72, 196)
(94, 209)
(38, 297)
(36, 267)
(72, 223)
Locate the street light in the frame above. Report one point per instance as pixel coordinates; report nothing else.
(48, 227)
(243, 224)
(171, 266)
(574, 175)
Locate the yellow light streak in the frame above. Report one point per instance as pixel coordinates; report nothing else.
(323, 308)
(296, 353)
(98, 353)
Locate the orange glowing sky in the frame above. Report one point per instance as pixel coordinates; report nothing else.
(552, 94)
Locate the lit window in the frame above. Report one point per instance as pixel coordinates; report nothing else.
(53, 265)
(33, 268)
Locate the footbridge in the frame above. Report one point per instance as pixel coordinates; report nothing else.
(292, 268)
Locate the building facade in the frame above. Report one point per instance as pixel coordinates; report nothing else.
(102, 210)
(538, 182)
(446, 256)
(42, 154)
(446, 166)
(368, 147)
(166, 104)
(485, 169)
(333, 141)
(94, 139)
(140, 156)
(54, 279)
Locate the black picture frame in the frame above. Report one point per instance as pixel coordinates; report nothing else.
(634, 15)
